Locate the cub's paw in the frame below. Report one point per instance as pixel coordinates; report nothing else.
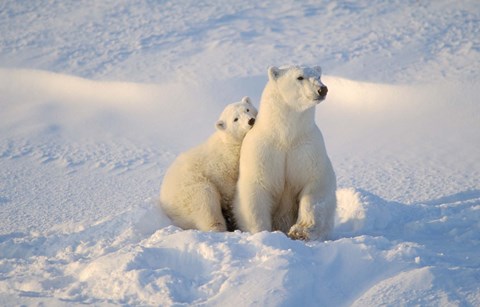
(298, 232)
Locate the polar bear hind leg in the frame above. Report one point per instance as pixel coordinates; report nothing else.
(205, 212)
(210, 217)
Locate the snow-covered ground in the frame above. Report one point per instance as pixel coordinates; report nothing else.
(98, 98)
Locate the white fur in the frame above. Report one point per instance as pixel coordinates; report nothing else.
(201, 182)
(286, 179)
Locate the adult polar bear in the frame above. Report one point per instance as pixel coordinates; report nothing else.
(201, 182)
(286, 179)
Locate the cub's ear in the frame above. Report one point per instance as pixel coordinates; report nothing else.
(220, 125)
(318, 69)
(246, 99)
(273, 73)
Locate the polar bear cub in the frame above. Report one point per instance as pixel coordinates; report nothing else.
(201, 182)
(286, 180)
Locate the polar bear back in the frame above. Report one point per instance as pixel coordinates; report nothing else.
(208, 162)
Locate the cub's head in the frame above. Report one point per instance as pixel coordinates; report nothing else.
(300, 87)
(237, 119)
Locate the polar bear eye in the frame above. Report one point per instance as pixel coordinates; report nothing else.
(248, 110)
(236, 119)
(300, 78)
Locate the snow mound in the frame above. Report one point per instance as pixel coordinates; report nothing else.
(136, 258)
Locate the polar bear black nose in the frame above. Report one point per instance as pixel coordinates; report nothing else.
(323, 91)
(251, 121)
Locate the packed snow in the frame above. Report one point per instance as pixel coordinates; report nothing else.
(97, 100)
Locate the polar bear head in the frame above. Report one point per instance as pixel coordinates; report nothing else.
(237, 119)
(300, 87)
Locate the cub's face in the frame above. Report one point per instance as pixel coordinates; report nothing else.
(237, 119)
(300, 87)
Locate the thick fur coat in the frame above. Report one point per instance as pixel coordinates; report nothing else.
(286, 179)
(201, 182)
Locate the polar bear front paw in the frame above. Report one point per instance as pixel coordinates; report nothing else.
(298, 232)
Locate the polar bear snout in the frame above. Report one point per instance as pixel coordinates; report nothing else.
(322, 92)
(251, 121)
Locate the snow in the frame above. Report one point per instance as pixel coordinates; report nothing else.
(98, 99)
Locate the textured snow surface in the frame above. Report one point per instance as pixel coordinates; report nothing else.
(98, 98)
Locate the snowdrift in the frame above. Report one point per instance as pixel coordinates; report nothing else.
(82, 162)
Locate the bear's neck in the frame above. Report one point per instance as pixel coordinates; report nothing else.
(229, 142)
(275, 112)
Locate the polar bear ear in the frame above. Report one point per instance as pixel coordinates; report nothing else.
(318, 69)
(246, 99)
(220, 125)
(273, 73)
